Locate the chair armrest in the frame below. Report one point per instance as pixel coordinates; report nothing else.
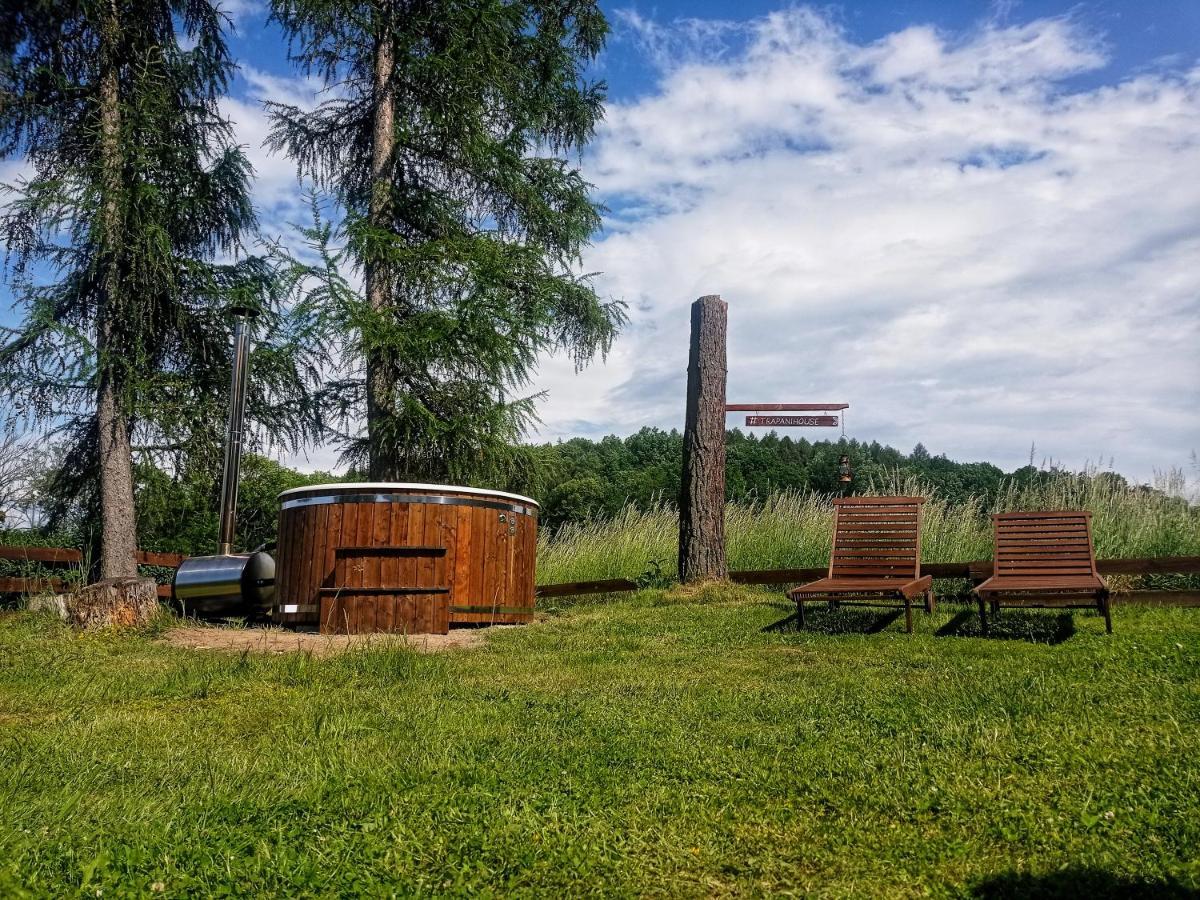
(919, 586)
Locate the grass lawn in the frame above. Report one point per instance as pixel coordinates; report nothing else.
(642, 746)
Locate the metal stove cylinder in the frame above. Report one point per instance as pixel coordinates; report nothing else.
(228, 584)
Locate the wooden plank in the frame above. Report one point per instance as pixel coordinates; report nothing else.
(1047, 563)
(1042, 516)
(333, 537)
(382, 590)
(282, 571)
(896, 559)
(1047, 553)
(389, 567)
(765, 576)
(785, 407)
(42, 554)
(977, 570)
(439, 531)
(448, 527)
(390, 549)
(363, 608)
(891, 572)
(880, 542)
(881, 517)
(876, 501)
(856, 527)
(316, 539)
(610, 586)
(462, 559)
(11, 585)
(481, 522)
(1162, 565)
(403, 524)
(154, 558)
(1159, 598)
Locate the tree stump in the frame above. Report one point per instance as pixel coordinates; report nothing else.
(113, 603)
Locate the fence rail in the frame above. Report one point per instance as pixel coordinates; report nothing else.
(975, 571)
(67, 556)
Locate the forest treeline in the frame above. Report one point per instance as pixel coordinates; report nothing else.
(583, 480)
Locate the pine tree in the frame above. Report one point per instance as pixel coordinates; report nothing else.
(136, 188)
(444, 148)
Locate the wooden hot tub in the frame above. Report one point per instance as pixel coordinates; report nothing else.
(413, 558)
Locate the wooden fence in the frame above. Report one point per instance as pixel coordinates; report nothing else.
(975, 572)
(64, 556)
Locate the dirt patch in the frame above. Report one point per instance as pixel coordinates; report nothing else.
(278, 640)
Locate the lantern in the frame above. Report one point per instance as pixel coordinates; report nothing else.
(845, 473)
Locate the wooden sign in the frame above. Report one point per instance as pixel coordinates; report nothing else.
(807, 421)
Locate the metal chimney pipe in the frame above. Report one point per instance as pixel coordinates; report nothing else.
(233, 429)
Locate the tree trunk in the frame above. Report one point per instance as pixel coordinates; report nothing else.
(383, 462)
(118, 540)
(702, 495)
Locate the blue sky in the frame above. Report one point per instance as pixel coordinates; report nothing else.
(977, 223)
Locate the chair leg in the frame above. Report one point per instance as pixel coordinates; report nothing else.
(1106, 608)
(983, 621)
(908, 615)
(800, 612)
(930, 601)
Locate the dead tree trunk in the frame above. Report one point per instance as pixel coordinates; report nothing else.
(702, 495)
(381, 381)
(118, 537)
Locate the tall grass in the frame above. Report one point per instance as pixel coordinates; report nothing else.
(793, 529)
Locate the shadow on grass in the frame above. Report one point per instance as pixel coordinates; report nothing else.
(845, 620)
(1077, 882)
(1034, 626)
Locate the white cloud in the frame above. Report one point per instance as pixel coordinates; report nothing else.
(240, 10)
(280, 197)
(935, 228)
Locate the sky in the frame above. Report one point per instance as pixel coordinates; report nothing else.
(976, 223)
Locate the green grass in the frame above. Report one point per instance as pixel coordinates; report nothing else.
(660, 744)
(794, 529)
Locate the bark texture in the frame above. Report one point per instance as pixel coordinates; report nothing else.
(118, 539)
(702, 495)
(382, 459)
(113, 603)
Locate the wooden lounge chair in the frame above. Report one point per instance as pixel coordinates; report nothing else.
(1044, 559)
(876, 559)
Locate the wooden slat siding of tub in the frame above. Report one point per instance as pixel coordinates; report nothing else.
(448, 537)
(366, 527)
(463, 570)
(336, 525)
(482, 568)
(318, 543)
(519, 569)
(526, 567)
(389, 564)
(475, 598)
(287, 581)
(379, 516)
(483, 539)
(504, 543)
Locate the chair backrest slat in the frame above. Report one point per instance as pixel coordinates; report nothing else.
(1058, 542)
(876, 537)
